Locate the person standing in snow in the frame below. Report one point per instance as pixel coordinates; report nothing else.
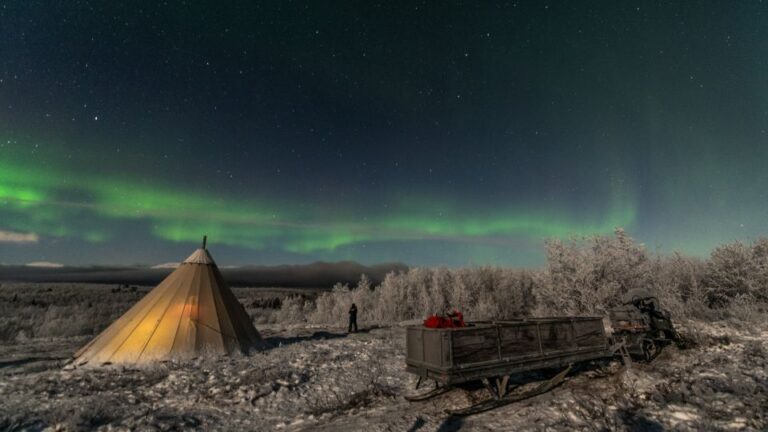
(352, 318)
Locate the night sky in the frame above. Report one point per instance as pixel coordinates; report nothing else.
(425, 133)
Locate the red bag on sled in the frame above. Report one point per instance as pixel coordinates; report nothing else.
(454, 319)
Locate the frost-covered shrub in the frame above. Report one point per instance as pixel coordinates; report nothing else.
(678, 283)
(737, 269)
(294, 309)
(755, 353)
(497, 293)
(728, 273)
(60, 310)
(479, 292)
(743, 309)
(32, 310)
(88, 414)
(357, 388)
(333, 307)
(60, 321)
(582, 276)
(588, 275)
(759, 280)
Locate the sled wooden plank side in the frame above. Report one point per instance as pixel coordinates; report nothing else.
(497, 348)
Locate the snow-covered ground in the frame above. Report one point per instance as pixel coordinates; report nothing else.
(324, 379)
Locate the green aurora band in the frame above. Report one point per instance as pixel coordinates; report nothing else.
(57, 203)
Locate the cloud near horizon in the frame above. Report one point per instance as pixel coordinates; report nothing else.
(44, 264)
(166, 265)
(17, 237)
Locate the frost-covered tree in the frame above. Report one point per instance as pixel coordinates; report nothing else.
(737, 269)
(678, 283)
(582, 276)
(590, 274)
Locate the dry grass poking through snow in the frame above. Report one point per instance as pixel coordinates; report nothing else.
(322, 379)
(303, 379)
(30, 311)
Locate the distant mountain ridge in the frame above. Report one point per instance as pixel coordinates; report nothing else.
(318, 274)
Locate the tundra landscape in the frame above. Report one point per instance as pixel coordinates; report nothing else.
(423, 216)
(315, 376)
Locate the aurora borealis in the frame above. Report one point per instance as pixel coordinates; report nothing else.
(426, 133)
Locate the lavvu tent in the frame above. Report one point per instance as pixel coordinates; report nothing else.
(191, 312)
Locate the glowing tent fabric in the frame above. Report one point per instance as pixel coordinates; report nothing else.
(191, 312)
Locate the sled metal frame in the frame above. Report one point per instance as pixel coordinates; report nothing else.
(498, 388)
(500, 396)
(437, 391)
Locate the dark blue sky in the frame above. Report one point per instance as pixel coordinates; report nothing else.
(427, 133)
